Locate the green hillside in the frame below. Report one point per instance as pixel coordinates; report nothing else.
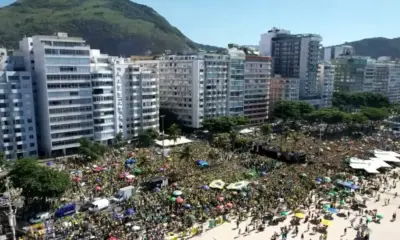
(376, 47)
(117, 27)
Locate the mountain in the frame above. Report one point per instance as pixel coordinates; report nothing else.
(117, 27)
(376, 47)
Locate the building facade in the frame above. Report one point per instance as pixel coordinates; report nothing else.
(265, 43)
(182, 87)
(330, 53)
(349, 73)
(326, 76)
(17, 115)
(257, 82)
(283, 89)
(297, 56)
(236, 83)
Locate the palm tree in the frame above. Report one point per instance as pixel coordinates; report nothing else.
(174, 132)
(186, 153)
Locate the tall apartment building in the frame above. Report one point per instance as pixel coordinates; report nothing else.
(137, 96)
(216, 76)
(265, 43)
(102, 78)
(383, 77)
(326, 74)
(297, 56)
(17, 116)
(257, 82)
(349, 73)
(182, 87)
(330, 53)
(283, 89)
(236, 83)
(61, 65)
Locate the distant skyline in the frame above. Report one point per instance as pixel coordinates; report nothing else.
(220, 22)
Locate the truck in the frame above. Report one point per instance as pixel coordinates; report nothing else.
(124, 194)
(66, 210)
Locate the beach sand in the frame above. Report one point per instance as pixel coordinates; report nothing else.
(387, 229)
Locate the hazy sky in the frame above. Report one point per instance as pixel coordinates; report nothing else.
(219, 22)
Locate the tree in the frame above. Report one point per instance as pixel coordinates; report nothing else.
(292, 110)
(119, 140)
(91, 150)
(351, 101)
(329, 116)
(38, 181)
(187, 153)
(169, 118)
(147, 137)
(174, 132)
(375, 114)
(224, 124)
(266, 130)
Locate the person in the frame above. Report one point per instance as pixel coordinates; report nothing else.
(302, 236)
(345, 231)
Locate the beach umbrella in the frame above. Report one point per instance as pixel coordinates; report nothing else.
(220, 199)
(326, 206)
(284, 213)
(98, 188)
(327, 179)
(326, 222)
(205, 187)
(157, 189)
(112, 238)
(369, 219)
(332, 210)
(118, 215)
(175, 184)
(177, 193)
(219, 184)
(49, 163)
(172, 199)
(187, 206)
(220, 207)
(300, 215)
(135, 228)
(161, 169)
(179, 200)
(238, 185)
(303, 175)
(229, 205)
(318, 179)
(234, 193)
(138, 171)
(263, 174)
(380, 216)
(129, 211)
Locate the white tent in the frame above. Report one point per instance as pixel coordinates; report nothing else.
(377, 151)
(169, 143)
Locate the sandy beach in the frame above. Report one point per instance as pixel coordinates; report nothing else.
(387, 229)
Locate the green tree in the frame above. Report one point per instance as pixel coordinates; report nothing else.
(38, 181)
(224, 124)
(187, 153)
(375, 114)
(292, 110)
(351, 101)
(147, 137)
(91, 150)
(119, 140)
(329, 116)
(266, 130)
(174, 132)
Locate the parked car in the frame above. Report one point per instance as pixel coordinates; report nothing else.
(40, 217)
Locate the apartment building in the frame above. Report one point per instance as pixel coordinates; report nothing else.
(236, 83)
(181, 80)
(330, 53)
(265, 43)
(349, 73)
(297, 56)
(383, 76)
(17, 115)
(216, 76)
(61, 65)
(102, 80)
(257, 82)
(283, 89)
(326, 76)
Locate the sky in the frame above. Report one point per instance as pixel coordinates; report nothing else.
(219, 22)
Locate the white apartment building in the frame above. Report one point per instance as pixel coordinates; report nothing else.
(265, 43)
(182, 87)
(236, 83)
(17, 115)
(326, 75)
(257, 79)
(383, 76)
(216, 75)
(61, 65)
(102, 76)
(137, 96)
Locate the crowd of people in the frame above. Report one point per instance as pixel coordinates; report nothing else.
(190, 200)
